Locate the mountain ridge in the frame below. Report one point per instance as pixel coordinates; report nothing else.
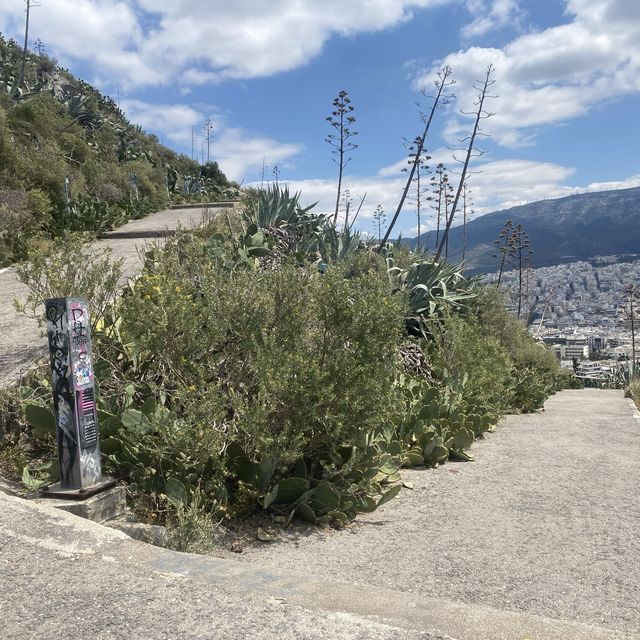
(568, 229)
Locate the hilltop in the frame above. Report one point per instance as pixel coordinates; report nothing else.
(70, 159)
(570, 229)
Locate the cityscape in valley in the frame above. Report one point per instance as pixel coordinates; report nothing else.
(579, 308)
(565, 266)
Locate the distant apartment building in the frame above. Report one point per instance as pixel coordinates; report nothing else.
(589, 370)
(571, 352)
(596, 344)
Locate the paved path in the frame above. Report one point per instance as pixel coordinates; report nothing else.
(537, 539)
(20, 340)
(546, 521)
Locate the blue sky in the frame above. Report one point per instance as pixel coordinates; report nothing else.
(567, 75)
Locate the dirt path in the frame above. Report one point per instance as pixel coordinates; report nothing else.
(546, 522)
(20, 340)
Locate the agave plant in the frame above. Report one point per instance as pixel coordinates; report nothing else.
(76, 109)
(430, 286)
(276, 207)
(306, 236)
(336, 245)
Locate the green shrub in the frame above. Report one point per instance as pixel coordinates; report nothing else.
(192, 527)
(471, 361)
(264, 375)
(68, 267)
(537, 372)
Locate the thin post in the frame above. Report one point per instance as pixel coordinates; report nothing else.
(208, 128)
(480, 114)
(72, 383)
(633, 339)
(19, 81)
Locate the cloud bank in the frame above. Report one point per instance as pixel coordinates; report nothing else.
(156, 42)
(554, 75)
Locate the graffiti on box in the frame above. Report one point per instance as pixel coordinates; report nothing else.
(73, 391)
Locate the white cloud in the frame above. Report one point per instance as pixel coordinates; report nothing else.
(489, 16)
(442, 154)
(506, 183)
(154, 42)
(236, 151)
(628, 183)
(553, 75)
(171, 120)
(253, 38)
(379, 192)
(495, 185)
(105, 32)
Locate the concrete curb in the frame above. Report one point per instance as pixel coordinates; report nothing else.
(227, 204)
(68, 536)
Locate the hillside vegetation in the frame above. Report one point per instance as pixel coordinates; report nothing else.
(268, 364)
(55, 126)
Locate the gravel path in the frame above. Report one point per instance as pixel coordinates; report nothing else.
(20, 340)
(545, 522)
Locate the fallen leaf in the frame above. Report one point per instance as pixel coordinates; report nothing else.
(263, 536)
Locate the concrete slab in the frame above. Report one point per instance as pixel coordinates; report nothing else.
(101, 507)
(226, 204)
(77, 566)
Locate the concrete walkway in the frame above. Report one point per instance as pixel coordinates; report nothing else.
(545, 522)
(20, 341)
(537, 539)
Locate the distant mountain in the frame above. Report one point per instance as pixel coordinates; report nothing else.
(568, 229)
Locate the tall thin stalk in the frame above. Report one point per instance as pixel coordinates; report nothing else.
(505, 248)
(442, 82)
(20, 78)
(465, 214)
(480, 114)
(630, 292)
(355, 217)
(341, 120)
